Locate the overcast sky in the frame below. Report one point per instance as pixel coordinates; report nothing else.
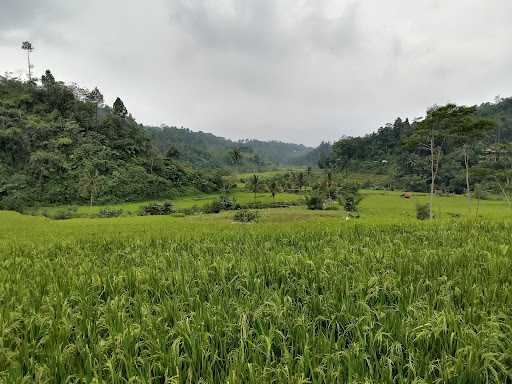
(301, 71)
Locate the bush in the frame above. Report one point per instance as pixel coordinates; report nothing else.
(315, 202)
(349, 197)
(108, 212)
(422, 211)
(246, 216)
(165, 208)
(221, 204)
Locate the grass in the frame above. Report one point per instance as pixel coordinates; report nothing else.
(299, 297)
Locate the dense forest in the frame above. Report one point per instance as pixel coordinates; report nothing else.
(206, 150)
(60, 144)
(392, 150)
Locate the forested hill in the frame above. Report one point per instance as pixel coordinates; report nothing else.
(60, 144)
(206, 150)
(390, 151)
(317, 157)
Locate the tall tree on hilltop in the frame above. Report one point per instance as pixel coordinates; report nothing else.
(48, 80)
(27, 46)
(119, 108)
(95, 97)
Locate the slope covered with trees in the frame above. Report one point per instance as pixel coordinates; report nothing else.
(394, 150)
(203, 150)
(206, 150)
(320, 156)
(60, 144)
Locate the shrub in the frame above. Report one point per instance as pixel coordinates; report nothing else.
(109, 212)
(315, 202)
(221, 204)
(246, 216)
(422, 211)
(165, 208)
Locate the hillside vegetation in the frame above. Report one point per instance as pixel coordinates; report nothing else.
(206, 150)
(60, 144)
(392, 151)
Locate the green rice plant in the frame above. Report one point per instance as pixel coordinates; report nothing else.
(306, 299)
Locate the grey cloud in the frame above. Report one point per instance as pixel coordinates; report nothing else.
(34, 19)
(263, 27)
(301, 70)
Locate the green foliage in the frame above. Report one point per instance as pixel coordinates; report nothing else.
(273, 188)
(422, 211)
(349, 197)
(321, 156)
(58, 144)
(236, 156)
(119, 109)
(400, 151)
(165, 208)
(223, 203)
(205, 150)
(315, 202)
(246, 216)
(254, 184)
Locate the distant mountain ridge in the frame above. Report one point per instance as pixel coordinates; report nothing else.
(210, 151)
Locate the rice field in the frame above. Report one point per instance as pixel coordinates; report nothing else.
(199, 200)
(300, 297)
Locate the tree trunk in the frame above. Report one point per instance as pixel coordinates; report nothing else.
(97, 116)
(433, 175)
(466, 163)
(29, 69)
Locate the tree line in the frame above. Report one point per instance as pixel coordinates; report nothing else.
(60, 144)
(453, 149)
